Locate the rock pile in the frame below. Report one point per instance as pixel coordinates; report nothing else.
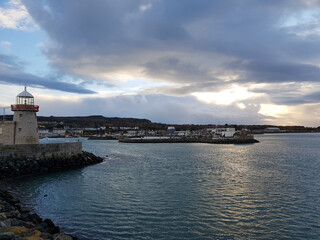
(15, 167)
(17, 223)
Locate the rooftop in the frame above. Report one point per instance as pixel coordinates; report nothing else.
(25, 94)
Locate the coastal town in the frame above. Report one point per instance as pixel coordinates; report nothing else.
(100, 127)
(55, 129)
(29, 128)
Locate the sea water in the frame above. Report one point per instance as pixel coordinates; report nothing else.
(267, 190)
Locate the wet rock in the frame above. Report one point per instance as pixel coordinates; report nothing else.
(3, 216)
(52, 229)
(7, 236)
(40, 227)
(34, 218)
(5, 207)
(62, 236)
(13, 214)
(2, 225)
(34, 238)
(5, 224)
(36, 233)
(16, 230)
(16, 222)
(22, 210)
(46, 236)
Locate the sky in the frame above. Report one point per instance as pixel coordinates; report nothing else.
(170, 61)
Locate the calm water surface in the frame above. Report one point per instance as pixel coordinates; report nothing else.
(269, 190)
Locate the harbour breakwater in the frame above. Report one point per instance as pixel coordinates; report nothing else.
(241, 140)
(36, 159)
(102, 138)
(26, 166)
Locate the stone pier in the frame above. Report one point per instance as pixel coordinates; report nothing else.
(36, 159)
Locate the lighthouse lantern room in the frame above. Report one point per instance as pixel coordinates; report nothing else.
(25, 102)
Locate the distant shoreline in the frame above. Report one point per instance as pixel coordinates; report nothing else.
(190, 140)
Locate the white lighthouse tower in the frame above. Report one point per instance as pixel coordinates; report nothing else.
(25, 119)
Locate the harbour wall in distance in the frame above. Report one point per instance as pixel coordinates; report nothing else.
(238, 140)
(36, 159)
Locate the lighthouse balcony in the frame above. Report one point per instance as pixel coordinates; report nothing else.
(24, 107)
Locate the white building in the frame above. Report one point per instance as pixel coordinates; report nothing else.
(59, 131)
(225, 132)
(272, 130)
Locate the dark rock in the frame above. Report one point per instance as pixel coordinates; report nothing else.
(2, 217)
(42, 227)
(22, 209)
(62, 236)
(46, 236)
(52, 229)
(7, 236)
(5, 206)
(13, 214)
(34, 218)
(5, 224)
(16, 222)
(49, 223)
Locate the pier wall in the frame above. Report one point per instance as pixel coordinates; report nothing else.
(40, 151)
(6, 132)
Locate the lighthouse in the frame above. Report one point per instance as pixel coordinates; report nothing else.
(25, 119)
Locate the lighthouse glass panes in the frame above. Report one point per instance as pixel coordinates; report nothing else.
(25, 100)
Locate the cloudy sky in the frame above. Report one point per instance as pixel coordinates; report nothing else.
(171, 61)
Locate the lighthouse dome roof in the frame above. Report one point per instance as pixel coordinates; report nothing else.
(25, 94)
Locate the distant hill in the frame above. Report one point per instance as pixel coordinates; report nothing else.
(97, 121)
(93, 121)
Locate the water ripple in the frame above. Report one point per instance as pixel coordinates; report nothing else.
(269, 190)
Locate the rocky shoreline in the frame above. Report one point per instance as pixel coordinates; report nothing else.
(18, 223)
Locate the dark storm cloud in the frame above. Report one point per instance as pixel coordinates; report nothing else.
(186, 89)
(11, 71)
(296, 99)
(183, 41)
(277, 72)
(291, 94)
(173, 68)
